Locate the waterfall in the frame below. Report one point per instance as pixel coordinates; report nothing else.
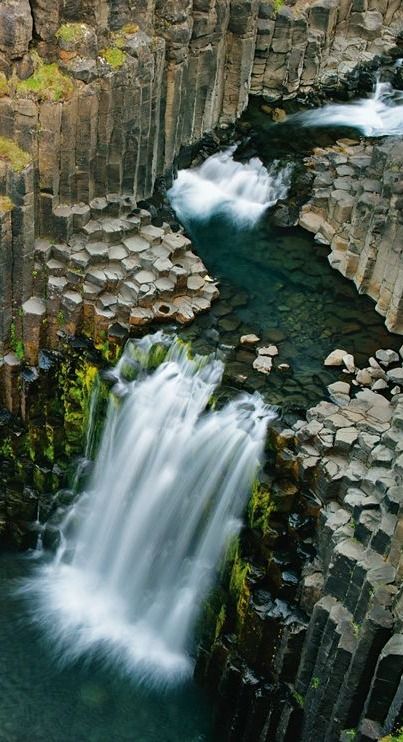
(242, 190)
(140, 546)
(378, 116)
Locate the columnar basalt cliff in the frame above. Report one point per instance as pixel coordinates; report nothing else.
(100, 98)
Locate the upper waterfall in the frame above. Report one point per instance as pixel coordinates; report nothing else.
(377, 116)
(141, 544)
(244, 190)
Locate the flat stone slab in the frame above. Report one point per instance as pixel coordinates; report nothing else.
(136, 244)
(34, 305)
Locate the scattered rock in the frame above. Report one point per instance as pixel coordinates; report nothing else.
(349, 362)
(335, 358)
(387, 356)
(263, 364)
(269, 350)
(395, 375)
(249, 339)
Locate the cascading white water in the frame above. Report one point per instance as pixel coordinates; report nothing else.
(242, 190)
(141, 545)
(378, 116)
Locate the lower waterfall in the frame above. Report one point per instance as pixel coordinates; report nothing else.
(141, 544)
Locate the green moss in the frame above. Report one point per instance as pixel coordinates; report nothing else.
(260, 507)
(6, 204)
(239, 588)
(46, 83)
(315, 682)
(220, 622)
(13, 154)
(394, 737)
(114, 56)
(6, 448)
(277, 4)
(71, 32)
(298, 698)
(16, 343)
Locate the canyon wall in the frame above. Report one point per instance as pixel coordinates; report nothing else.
(97, 99)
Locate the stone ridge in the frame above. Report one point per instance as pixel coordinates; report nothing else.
(357, 209)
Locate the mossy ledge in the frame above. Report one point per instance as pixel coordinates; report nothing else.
(47, 83)
(11, 153)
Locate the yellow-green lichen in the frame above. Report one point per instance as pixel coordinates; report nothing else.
(6, 204)
(46, 83)
(71, 33)
(119, 37)
(114, 56)
(4, 88)
(13, 154)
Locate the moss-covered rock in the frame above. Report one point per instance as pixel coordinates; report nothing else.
(46, 83)
(11, 153)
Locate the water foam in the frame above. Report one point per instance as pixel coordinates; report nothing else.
(141, 546)
(378, 116)
(241, 190)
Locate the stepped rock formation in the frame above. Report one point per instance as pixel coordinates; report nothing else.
(357, 209)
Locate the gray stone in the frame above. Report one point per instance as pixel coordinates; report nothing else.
(395, 375)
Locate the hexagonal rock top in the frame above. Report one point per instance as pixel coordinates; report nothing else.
(119, 270)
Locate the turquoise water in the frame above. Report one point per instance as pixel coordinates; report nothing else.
(86, 702)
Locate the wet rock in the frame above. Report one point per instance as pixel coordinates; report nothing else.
(249, 339)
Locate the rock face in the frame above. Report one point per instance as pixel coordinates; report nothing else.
(357, 209)
(317, 653)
